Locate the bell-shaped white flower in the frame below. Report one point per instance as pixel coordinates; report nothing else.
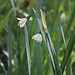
(22, 22)
(37, 37)
(62, 16)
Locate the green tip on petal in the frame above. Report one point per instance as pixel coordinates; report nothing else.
(18, 23)
(35, 38)
(20, 26)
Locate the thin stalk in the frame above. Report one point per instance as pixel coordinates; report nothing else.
(27, 48)
(62, 34)
(58, 69)
(9, 47)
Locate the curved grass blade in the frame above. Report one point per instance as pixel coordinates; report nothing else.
(69, 50)
(27, 48)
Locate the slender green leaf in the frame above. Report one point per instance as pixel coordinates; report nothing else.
(27, 48)
(69, 50)
(13, 5)
(2, 65)
(58, 69)
(69, 68)
(9, 46)
(62, 34)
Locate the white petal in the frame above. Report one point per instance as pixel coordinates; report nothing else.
(19, 18)
(25, 14)
(37, 37)
(30, 18)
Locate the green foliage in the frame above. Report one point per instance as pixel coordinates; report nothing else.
(20, 54)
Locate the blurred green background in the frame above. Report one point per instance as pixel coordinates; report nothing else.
(13, 55)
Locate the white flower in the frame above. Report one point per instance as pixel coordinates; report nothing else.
(27, 15)
(37, 37)
(62, 16)
(22, 22)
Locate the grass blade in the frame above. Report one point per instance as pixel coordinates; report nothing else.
(54, 56)
(3, 67)
(27, 48)
(69, 68)
(69, 50)
(13, 5)
(9, 47)
(62, 34)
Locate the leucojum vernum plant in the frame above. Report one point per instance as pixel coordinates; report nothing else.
(46, 36)
(38, 38)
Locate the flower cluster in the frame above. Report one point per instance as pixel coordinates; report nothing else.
(22, 22)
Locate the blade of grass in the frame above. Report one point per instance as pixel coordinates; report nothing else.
(23, 59)
(48, 58)
(69, 50)
(9, 46)
(58, 69)
(62, 34)
(13, 5)
(68, 68)
(27, 48)
(57, 42)
(2, 65)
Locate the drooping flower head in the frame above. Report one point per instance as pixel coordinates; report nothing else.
(37, 37)
(22, 22)
(62, 16)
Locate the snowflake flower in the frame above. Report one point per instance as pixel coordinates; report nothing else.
(62, 16)
(37, 37)
(22, 22)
